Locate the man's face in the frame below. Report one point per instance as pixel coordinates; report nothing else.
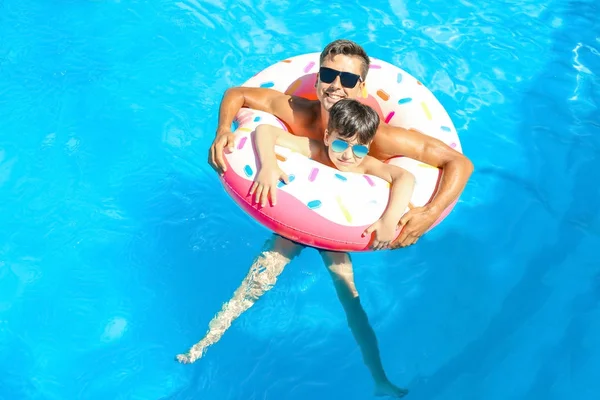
(330, 93)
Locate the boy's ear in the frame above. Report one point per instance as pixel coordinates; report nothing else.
(326, 137)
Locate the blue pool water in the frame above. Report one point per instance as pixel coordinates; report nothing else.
(118, 245)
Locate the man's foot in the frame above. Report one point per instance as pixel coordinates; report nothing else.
(184, 358)
(195, 353)
(390, 390)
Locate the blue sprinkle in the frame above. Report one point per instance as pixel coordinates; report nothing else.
(248, 171)
(405, 100)
(314, 204)
(445, 128)
(341, 177)
(399, 79)
(256, 119)
(291, 178)
(267, 84)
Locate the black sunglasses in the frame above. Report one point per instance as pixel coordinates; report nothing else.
(348, 79)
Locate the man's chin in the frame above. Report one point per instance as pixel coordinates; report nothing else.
(328, 103)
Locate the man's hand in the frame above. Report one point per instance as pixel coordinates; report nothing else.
(224, 139)
(414, 224)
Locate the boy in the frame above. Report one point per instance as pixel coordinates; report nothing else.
(351, 129)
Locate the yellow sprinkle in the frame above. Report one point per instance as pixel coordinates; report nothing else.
(245, 129)
(365, 94)
(426, 109)
(346, 212)
(423, 165)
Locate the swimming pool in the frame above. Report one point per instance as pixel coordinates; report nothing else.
(117, 244)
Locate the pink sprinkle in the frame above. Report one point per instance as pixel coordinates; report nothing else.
(375, 66)
(243, 120)
(242, 142)
(309, 66)
(389, 117)
(369, 180)
(313, 174)
(453, 145)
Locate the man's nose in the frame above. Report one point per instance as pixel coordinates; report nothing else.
(337, 83)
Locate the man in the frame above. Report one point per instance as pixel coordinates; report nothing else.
(309, 118)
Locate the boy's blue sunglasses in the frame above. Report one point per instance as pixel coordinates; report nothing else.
(359, 150)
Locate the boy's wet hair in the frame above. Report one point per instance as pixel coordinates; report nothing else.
(350, 118)
(347, 48)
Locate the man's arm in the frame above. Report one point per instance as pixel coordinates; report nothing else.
(456, 168)
(456, 171)
(268, 100)
(261, 99)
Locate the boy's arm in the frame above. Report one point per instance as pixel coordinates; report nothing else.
(403, 185)
(269, 173)
(267, 136)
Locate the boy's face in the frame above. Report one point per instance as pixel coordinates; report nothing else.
(345, 153)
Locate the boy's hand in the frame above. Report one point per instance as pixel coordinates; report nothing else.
(385, 232)
(266, 182)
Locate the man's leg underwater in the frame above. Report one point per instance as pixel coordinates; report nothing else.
(262, 276)
(339, 266)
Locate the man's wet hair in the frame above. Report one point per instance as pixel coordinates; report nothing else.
(347, 48)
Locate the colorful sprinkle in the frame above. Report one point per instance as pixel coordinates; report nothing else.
(244, 120)
(314, 204)
(313, 174)
(426, 109)
(280, 157)
(344, 210)
(423, 165)
(286, 61)
(291, 178)
(365, 93)
(256, 119)
(341, 177)
(242, 143)
(383, 95)
(294, 86)
(399, 78)
(267, 85)
(389, 117)
(309, 66)
(245, 129)
(453, 145)
(445, 128)
(419, 83)
(248, 171)
(405, 100)
(375, 66)
(368, 178)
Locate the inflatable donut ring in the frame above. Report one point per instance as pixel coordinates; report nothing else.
(320, 206)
